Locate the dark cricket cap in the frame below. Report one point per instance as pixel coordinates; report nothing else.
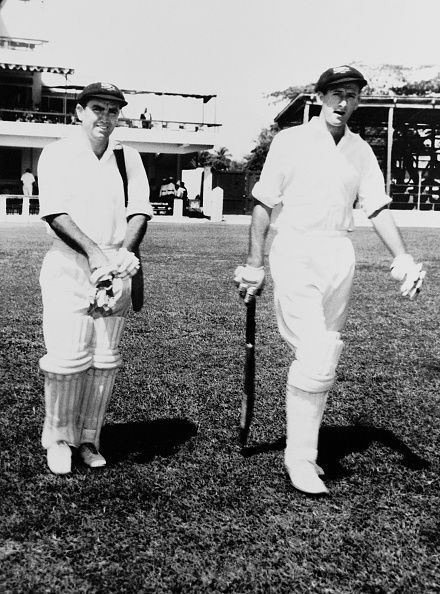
(337, 75)
(101, 90)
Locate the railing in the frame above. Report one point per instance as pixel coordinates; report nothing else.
(16, 208)
(52, 117)
(419, 196)
(36, 117)
(20, 43)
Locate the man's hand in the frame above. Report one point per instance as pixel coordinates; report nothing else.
(249, 280)
(99, 261)
(126, 263)
(103, 273)
(403, 268)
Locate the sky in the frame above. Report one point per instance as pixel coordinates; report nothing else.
(240, 50)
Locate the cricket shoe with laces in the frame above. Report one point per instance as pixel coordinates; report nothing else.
(90, 456)
(59, 457)
(303, 475)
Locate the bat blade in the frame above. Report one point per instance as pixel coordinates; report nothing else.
(248, 398)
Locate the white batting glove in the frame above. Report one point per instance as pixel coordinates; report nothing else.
(249, 280)
(126, 263)
(103, 273)
(403, 268)
(106, 291)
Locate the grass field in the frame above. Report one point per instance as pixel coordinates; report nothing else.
(179, 507)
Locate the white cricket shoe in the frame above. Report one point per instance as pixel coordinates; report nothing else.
(304, 477)
(59, 457)
(90, 456)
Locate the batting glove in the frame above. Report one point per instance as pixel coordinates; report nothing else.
(249, 280)
(403, 268)
(106, 291)
(126, 263)
(104, 273)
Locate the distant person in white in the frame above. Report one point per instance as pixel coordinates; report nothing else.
(27, 180)
(315, 172)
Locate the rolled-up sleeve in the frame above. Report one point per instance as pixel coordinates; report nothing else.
(52, 183)
(138, 186)
(371, 193)
(268, 189)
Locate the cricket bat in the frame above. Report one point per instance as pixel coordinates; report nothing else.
(248, 398)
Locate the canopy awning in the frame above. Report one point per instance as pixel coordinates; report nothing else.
(371, 111)
(205, 98)
(36, 68)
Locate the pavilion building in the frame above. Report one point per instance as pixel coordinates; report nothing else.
(37, 107)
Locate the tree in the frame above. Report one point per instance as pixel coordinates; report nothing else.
(219, 160)
(255, 160)
(291, 92)
(385, 79)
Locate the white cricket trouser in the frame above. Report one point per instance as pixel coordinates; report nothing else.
(313, 278)
(69, 334)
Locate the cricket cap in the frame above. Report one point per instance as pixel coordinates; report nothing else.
(101, 90)
(337, 75)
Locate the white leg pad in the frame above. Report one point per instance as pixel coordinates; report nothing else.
(314, 369)
(304, 413)
(62, 397)
(68, 344)
(108, 332)
(97, 391)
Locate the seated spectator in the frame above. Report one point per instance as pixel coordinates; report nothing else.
(167, 187)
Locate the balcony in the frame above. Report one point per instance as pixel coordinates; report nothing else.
(30, 128)
(20, 43)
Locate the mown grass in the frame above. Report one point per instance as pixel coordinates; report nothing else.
(179, 507)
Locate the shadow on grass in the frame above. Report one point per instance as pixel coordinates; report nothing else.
(337, 442)
(142, 441)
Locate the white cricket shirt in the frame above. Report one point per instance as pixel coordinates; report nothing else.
(73, 180)
(317, 181)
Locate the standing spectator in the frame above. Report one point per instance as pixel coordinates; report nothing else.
(86, 275)
(182, 193)
(27, 180)
(146, 119)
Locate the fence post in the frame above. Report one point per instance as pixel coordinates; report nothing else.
(3, 207)
(216, 200)
(25, 208)
(178, 208)
(390, 132)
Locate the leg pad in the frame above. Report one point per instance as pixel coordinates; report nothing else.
(314, 369)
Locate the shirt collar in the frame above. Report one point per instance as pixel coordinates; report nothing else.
(82, 144)
(319, 124)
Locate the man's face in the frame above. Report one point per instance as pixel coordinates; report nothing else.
(339, 102)
(98, 118)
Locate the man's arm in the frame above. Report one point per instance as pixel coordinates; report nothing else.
(388, 232)
(250, 278)
(136, 229)
(259, 228)
(71, 234)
